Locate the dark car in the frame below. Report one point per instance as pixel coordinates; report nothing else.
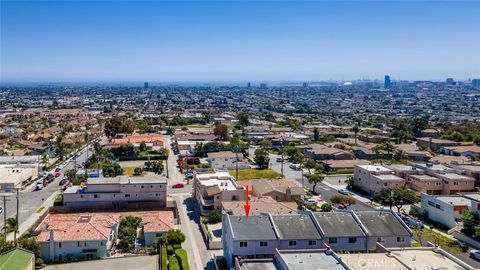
(57, 169)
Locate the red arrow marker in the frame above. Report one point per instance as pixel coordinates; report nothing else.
(247, 206)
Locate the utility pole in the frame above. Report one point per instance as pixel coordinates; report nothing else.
(18, 222)
(5, 217)
(236, 162)
(391, 198)
(283, 148)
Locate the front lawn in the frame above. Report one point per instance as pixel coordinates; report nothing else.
(250, 174)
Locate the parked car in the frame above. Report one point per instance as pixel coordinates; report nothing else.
(49, 177)
(63, 181)
(279, 159)
(412, 222)
(57, 169)
(295, 166)
(57, 174)
(178, 185)
(38, 187)
(344, 191)
(475, 254)
(189, 175)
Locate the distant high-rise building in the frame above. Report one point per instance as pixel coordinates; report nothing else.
(249, 85)
(450, 81)
(387, 83)
(476, 83)
(145, 85)
(305, 85)
(263, 86)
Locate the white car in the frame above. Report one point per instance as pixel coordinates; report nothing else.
(344, 191)
(295, 166)
(39, 187)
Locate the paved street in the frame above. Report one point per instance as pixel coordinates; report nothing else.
(30, 201)
(198, 255)
(324, 190)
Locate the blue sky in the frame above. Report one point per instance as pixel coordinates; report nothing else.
(238, 41)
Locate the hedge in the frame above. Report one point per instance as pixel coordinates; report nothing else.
(170, 250)
(173, 263)
(183, 258)
(164, 258)
(128, 158)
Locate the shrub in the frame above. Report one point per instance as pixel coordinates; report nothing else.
(175, 237)
(215, 216)
(164, 258)
(183, 258)
(170, 250)
(326, 207)
(177, 246)
(173, 263)
(137, 171)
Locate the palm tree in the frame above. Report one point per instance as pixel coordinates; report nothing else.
(12, 226)
(355, 130)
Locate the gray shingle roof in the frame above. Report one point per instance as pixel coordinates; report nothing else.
(339, 224)
(253, 228)
(296, 227)
(382, 223)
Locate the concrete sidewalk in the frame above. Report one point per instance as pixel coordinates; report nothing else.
(25, 226)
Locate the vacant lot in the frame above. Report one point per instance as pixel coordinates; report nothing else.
(250, 174)
(137, 263)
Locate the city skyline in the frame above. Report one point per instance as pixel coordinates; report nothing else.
(50, 42)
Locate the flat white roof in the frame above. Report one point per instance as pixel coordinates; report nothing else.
(455, 200)
(374, 168)
(388, 177)
(456, 176)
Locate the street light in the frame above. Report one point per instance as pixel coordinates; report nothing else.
(283, 147)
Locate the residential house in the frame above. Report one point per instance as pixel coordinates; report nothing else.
(321, 152)
(470, 151)
(425, 183)
(446, 210)
(17, 259)
(151, 141)
(280, 189)
(156, 224)
(373, 178)
(296, 231)
(211, 189)
(260, 205)
(117, 193)
(77, 236)
(225, 160)
(434, 144)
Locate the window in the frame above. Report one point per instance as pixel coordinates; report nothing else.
(235, 198)
(292, 243)
(400, 239)
(127, 195)
(84, 244)
(455, 183)
(78, 243)
(142, 186)
(243, 244)
(81, 196)
(156, 194)
(332, 240)
(431, 203)
(352, 240)
(102, 243)
(59, 244)
(380, 239)
(312, 242)
(95, 195)
(114, 195)
(263, 244)
(160, 186)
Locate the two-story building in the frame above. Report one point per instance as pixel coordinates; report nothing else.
(117, 193)
(211, 189)
(373, 178)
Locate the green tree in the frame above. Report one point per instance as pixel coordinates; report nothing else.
(137, 171)
(119, 124)
(326, 207)
(470, 220)
(315, 179)
(175, 237)
(243, 118)
(266, 144)
(221, 131)
(316, 135)
(355, 130)
(12, 226)
(127, 232)
(309, 164)
(214, 216)
(401, 196)
(142, 147)
(261, 158)
(341, 199)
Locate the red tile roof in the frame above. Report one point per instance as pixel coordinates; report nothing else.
(159, 221)
(138, 139)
